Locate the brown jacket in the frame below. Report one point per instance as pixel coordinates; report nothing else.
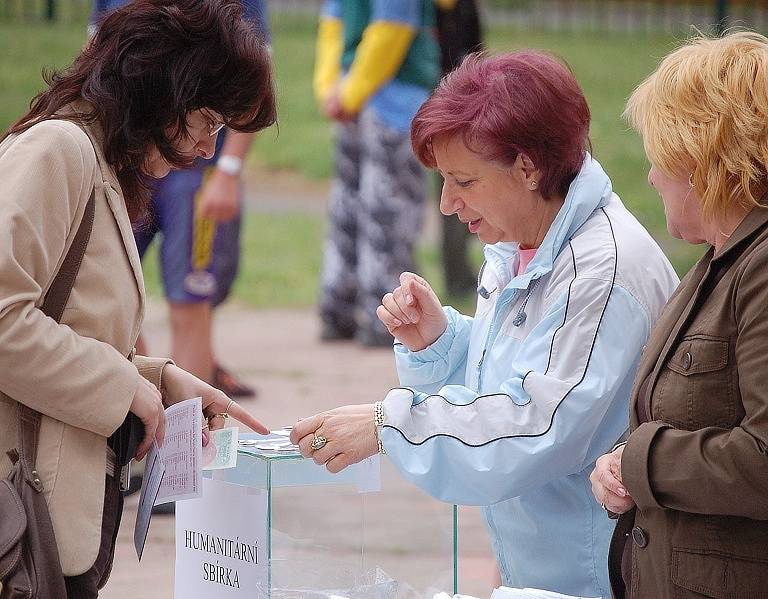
(75, 373)
(698, 469)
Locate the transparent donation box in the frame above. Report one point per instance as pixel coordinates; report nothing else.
(362, 534)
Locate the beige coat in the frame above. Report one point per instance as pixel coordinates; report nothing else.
(75, 373)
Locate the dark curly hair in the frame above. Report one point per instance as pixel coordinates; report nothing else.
(149, 65)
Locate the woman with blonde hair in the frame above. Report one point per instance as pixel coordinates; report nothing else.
(689, 483)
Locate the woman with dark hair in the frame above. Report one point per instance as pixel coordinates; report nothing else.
(148, 94)
(509, 410)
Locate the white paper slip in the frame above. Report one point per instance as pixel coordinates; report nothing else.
(182, 452)
(508, 593)
(150, 485)
(221, 451)
(276, 443)
(172, 472)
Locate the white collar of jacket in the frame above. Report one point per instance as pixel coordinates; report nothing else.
(590, 190)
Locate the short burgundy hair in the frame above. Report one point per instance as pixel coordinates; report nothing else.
(521, 102)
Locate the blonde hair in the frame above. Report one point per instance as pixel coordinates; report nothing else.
(703, 114)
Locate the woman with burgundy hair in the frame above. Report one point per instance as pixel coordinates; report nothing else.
(148, 94)
(509, 409)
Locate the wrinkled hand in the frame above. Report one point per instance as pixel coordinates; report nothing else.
(220, 197)
(607, 486)
(412, 313)
(179, 385)
(147, 404)
(350, 432)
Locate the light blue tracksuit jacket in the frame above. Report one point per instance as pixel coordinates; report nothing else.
(510, 409)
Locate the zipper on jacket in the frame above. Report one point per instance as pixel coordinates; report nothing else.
(482, 358)
(497, 309)
(480, 370)
(521, 316)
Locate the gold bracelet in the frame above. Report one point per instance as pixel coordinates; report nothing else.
(378, 422)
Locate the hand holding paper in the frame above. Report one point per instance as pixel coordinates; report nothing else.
(173, 472)
(147, 404)
(178, 385)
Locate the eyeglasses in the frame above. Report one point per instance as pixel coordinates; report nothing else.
(213, 125)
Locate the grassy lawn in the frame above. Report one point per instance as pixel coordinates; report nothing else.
(281, 251)
(279, 264)
(281, 261)
(26, 49)
(608, 66)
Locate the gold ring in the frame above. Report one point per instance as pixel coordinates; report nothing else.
(223, 415)
(318, 442)
(229, 405)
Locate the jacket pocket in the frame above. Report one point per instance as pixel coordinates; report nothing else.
(698, 354)
(718, 575)
(696, 387)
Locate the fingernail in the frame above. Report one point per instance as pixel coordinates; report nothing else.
(622, 492)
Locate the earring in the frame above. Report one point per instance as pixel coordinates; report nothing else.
(690, 180)
(533, 185)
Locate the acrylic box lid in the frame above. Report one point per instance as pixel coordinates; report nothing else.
(261, 464)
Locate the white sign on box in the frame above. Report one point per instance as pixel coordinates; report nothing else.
(221, 543)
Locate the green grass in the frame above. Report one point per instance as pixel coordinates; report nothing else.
(26, 49)
(302, 139)
(608, 66)
(282, 251)
(279, 261)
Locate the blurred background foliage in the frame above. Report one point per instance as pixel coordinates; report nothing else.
(611, 46)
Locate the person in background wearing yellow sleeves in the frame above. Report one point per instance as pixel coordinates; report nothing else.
(376, 63)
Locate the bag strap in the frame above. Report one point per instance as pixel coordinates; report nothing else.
(53, 306)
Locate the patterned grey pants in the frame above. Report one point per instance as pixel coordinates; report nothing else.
(376, 212)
